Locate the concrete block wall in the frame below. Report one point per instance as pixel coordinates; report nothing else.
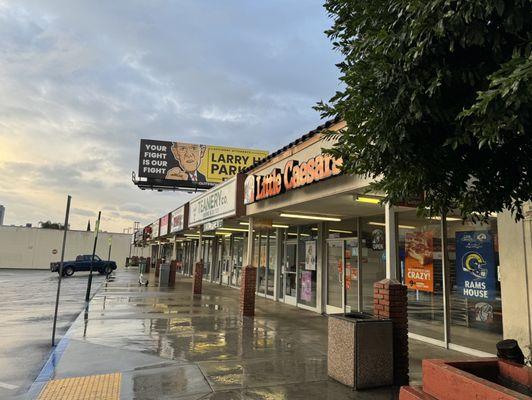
(34, 248)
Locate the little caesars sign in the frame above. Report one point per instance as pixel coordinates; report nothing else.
(293, 175)
(219, 202)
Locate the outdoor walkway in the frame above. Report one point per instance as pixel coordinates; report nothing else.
(163, 343)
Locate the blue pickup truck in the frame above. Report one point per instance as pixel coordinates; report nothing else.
(83, 263)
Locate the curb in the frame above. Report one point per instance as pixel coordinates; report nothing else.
(46, 372)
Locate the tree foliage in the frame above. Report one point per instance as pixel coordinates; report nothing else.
(437, 100)
(51, 225)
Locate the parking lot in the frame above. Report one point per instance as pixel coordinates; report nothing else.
(27, 300)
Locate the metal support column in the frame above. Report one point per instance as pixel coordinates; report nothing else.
(446, 277)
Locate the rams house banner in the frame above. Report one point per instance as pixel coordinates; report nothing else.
(475, 265)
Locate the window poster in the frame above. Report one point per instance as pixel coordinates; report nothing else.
(306, 285)
(419, 261)
(475, 265)
(310, 255)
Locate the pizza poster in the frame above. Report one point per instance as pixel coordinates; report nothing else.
(475, 265)
(419, 261)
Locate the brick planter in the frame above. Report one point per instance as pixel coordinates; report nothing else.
(157, 267)
(173, 270)
(247, 291)
(390, 302)
(148, 265)
(198, 278)
(488, 379)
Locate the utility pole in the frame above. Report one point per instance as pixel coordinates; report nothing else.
(65, 228)
(89, 282)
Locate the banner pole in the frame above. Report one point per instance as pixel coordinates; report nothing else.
(65, 229)
(89, 282)
(109, 255)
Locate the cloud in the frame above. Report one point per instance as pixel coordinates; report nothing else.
(86, 80)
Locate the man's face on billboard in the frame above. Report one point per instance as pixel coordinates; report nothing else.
(188, 155)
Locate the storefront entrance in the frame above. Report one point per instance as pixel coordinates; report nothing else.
(342, 275)
(290, 272)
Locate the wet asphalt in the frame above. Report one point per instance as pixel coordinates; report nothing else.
(27, 301)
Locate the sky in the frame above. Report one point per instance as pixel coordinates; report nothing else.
(83, 81)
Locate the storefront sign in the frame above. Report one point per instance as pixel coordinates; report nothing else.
(155, 230)
(292, 176)
(475, 264)
(137, 236)
(306, 286)
(211, 226)
(377, 240)
(177, 219)
(218, 203)
(310, 255)
(187, 162)
(147, 232)
(419, 261)
(163, 230)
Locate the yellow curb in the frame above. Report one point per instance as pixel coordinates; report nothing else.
(92, 387)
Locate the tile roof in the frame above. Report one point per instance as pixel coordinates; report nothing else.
(301, 139)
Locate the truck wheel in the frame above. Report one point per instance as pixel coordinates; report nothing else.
(108, 270)
(68, 271)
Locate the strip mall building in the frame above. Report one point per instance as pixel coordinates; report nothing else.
(320, 241)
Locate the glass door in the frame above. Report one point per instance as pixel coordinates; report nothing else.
(351, 275)
(290, 273)
(335, 277)
(342, 276)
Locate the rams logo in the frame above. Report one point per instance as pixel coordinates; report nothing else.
(474, 264)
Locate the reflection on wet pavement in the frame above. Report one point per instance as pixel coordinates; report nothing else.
(170, 344)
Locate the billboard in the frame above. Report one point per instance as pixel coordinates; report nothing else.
(419, 261)
(475, 265)
(196, 164)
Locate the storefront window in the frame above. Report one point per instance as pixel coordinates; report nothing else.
(290, 265)
(227, 243)
(421, 271)
(307, 263)
(261, 260)
(476, 310)
(272, 263)
(372, 257)
(239, 242)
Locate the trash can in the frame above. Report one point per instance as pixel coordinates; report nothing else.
(164, 274)
(360, 350)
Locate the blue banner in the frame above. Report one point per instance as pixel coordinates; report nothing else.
(475, 265)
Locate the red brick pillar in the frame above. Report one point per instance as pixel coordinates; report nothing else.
(157, 267)
(390, 302)
(198, 278)
(173, 270)
(247, 291)
(148, 265)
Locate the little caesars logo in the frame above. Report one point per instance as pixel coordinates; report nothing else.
(209, 205)
(292, 176)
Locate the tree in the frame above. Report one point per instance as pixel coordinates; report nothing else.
(437, 100)
(88, 225)
(51, 225)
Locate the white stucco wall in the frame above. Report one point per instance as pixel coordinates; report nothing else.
(515, 252)
(31, 248)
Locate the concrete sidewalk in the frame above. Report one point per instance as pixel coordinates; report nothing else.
(164, 343)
